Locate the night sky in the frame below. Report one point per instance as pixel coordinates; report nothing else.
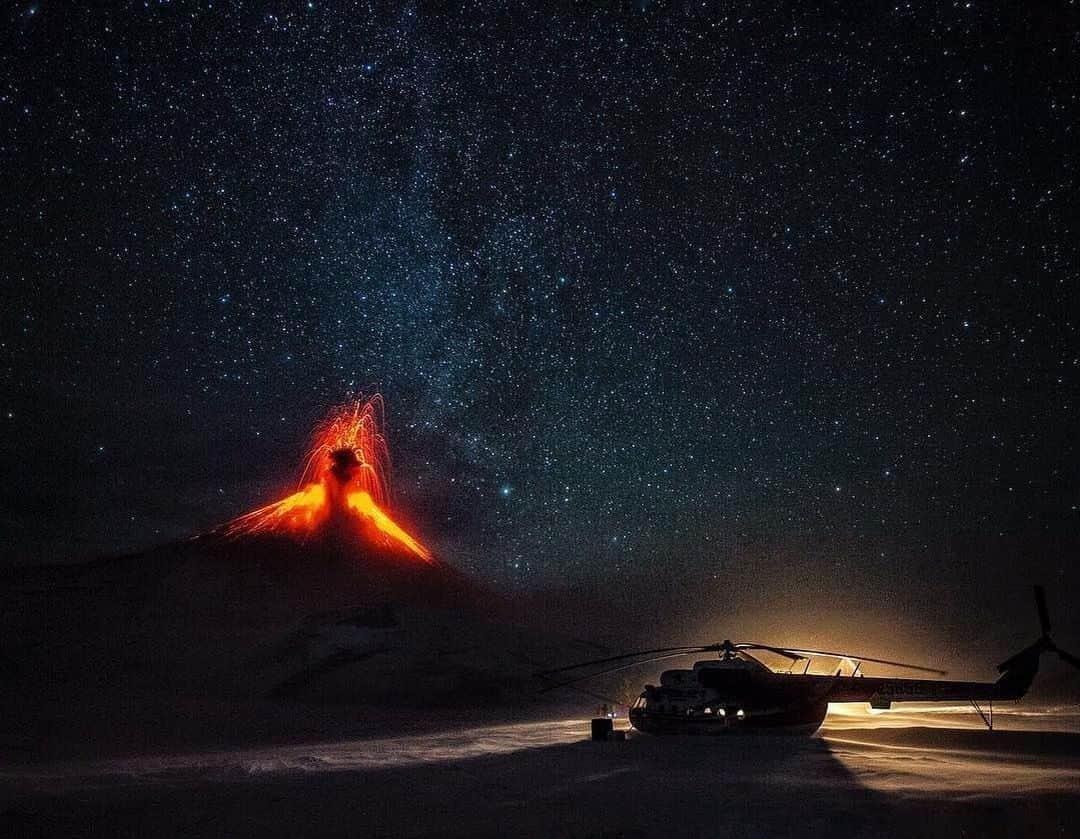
(647, 287)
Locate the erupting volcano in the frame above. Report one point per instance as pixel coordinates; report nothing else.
(344, 486)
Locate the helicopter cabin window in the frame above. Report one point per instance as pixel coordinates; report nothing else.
(708, 710)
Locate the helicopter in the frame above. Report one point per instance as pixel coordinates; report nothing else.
(738, 693)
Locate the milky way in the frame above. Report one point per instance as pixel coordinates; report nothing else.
(645, 286)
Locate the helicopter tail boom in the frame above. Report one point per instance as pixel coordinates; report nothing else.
(1017, 674)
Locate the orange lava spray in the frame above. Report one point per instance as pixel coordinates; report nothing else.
(345, 478)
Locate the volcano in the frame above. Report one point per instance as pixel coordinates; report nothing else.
(336, 533)
(334, 541)
(324, 596)
(344, 490)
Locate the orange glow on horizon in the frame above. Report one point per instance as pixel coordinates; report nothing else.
(345, 476)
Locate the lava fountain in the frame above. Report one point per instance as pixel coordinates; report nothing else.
(345, 482)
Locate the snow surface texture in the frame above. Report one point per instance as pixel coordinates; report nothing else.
(544, 778)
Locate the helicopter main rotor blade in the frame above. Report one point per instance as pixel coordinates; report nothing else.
(615, 669)
(591, 693)
(1069, 657)
(659, 650)
(1044, 613)
(853, 657)
(778, 650)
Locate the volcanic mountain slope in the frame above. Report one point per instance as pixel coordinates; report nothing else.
(322, 596)
(266, 616)
(260, 638)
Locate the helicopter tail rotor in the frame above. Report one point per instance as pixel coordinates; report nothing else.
(1018, 671)
(1044, 622)
(1044, 613)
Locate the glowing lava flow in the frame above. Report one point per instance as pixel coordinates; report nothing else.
(345, 477)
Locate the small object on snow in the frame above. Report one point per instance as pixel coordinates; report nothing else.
(602, 728)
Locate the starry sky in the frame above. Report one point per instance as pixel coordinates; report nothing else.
(648, 287)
